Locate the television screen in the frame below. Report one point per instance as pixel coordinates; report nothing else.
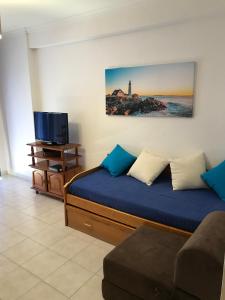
(51, 127)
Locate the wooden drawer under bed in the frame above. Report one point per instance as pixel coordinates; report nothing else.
(97, 226)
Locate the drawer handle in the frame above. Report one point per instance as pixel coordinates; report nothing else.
(87, 225)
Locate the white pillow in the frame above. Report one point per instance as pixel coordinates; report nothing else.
(147, 167)
(186, 172)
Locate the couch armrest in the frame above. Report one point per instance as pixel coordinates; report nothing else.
(199, 263)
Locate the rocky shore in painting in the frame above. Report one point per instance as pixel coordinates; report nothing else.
(133, 105)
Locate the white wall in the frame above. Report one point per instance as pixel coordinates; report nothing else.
(71, 79)
(16, 99)
(4, 158)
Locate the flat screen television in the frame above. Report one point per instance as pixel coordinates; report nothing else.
(51, 127)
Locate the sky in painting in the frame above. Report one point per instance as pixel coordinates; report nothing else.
(167, 79)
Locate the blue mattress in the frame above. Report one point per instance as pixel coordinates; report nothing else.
(180, 209)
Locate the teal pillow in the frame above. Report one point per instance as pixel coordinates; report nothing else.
(118, 161)
(215, 178)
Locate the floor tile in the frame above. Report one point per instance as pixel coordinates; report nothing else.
(54, 216)
(36, 210)
(16, 283)
(69, 278)
(50, 236)
(31, 227)
(11, 239)
(43, 291)
(91, 258)
(4, 229)
(13, 218)
(6, 266)
(19, 201)
(23, 251)
(81, 235)
(91, 290)
(61, 225)
(69, 246)
(44, 263)
(48, 202)
(100, 272)
(104, 245)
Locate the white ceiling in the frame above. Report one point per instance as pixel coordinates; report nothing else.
(16, 14)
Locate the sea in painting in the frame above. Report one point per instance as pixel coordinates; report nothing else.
(152, 91)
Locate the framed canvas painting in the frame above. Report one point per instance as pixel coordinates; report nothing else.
(165, 90)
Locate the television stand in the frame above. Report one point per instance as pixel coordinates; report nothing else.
(54, 166)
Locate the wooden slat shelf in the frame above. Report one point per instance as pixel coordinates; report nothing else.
(43, 166)
(66, 157)
(60, 148)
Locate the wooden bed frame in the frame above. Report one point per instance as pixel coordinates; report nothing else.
(103, 222)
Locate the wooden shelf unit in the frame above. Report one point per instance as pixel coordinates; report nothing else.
(47, 180)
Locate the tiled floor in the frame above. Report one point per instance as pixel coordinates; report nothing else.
(40, 258)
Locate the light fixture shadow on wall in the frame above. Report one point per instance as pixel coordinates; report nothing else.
(0, 28)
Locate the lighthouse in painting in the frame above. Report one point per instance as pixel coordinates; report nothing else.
(129, 89)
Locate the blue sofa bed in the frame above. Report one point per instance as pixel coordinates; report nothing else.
(159, 204)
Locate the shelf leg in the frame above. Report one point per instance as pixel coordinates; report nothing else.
(32, 152)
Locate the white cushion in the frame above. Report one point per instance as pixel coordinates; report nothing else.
(147, 167)
(186, 172)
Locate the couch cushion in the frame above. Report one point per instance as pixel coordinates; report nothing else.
(147, 167)
(158, 202)
(144, 263)
(186, 172)
(118, 161)
(215, 179)
(199, 263)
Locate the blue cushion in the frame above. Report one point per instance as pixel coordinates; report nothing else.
(118, 161)
(215, 178)
(158, 202)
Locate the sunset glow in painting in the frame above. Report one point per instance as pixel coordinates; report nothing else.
(154, 90)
